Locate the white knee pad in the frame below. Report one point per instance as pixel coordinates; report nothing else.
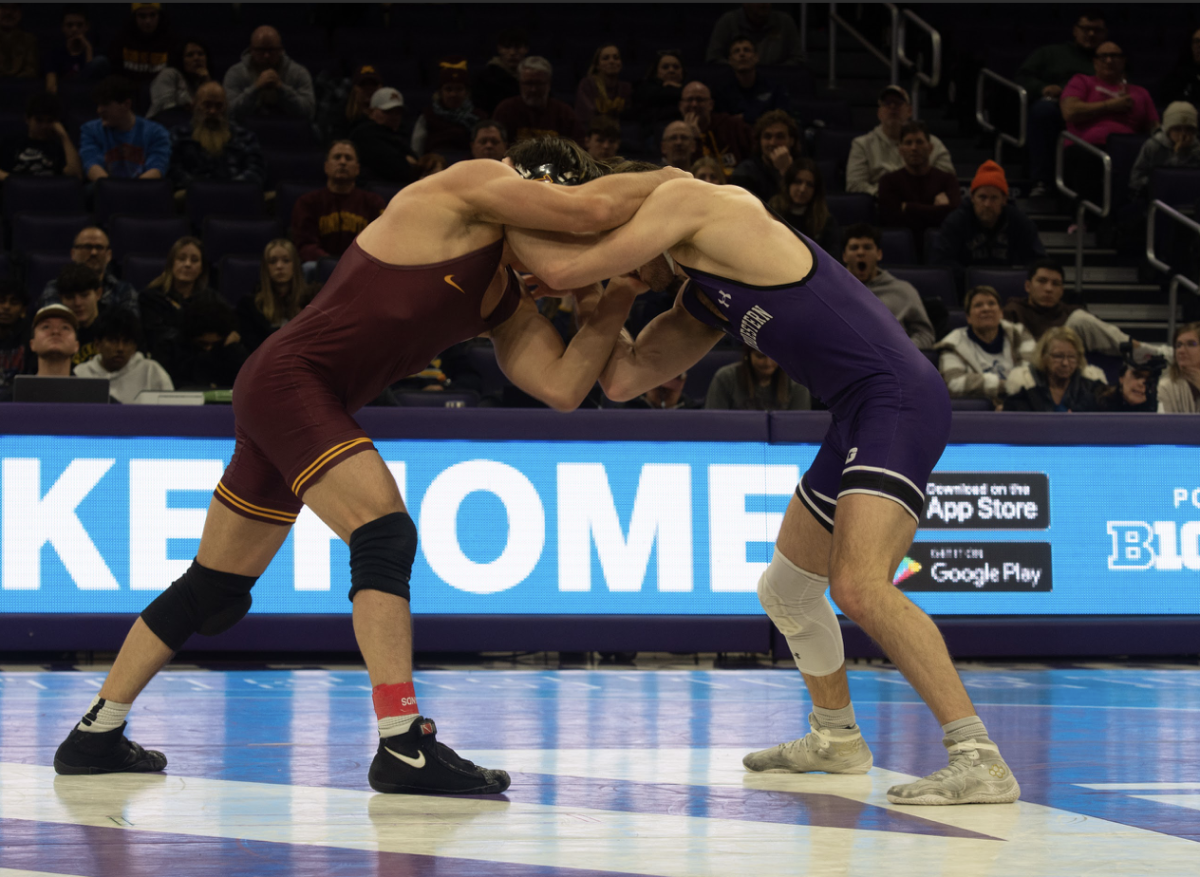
(795, 600)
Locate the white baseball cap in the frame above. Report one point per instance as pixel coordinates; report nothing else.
(386, 99)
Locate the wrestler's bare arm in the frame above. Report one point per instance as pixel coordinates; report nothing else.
(498, 194)
(669, 215)
(670, 344)
(531, 352)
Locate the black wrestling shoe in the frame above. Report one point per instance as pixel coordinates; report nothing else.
(414, 763)
(84, 752)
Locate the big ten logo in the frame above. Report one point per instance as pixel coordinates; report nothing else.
(1161, 545)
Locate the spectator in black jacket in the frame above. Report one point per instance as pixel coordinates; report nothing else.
(212, 352)
(776, 145)
(742, 89)
(382, 151)
(1058, 379)
(497, 81)
(211, 147)
(1183, 83)
(801, 202)
(656, 98)
(987, 230)
(282, 293)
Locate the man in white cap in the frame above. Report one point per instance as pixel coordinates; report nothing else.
(877, 153)
(53, 340)
(1172, 145)
(382, 151)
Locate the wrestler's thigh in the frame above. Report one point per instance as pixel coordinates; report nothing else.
(870, 537)
(235, 544)
(356, 491)
(803, 539)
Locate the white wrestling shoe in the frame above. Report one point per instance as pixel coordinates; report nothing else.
(829, 750)
(976, 775)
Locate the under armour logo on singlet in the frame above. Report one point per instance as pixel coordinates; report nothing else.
(449, 278)
(725, 298)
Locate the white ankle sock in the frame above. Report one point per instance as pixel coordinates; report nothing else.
(840, 719)
(393, 725)
(961, 730)
(103, 715)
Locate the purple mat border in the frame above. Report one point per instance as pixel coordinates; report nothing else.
(967, 637)
(506, 424)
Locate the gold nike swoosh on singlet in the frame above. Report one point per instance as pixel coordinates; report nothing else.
(449, 278)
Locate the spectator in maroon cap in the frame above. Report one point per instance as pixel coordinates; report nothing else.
(601, 92)
(325, 221)
(445, 125)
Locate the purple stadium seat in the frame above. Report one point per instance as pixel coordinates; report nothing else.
(434, 399)
(325, 268)
(850, 208)
(241, 200)
(248, 237)
(12, 124)
(931, 282)
(833, 114)
(483, 361)
(971, 405)
(50, 234)
(897, 246)
(307, 167)
(834, 145)
(1175, 186)
(144, 235)
(42, 195)
(286, 196)
(140, 270)
(1123, 149)
(41, 268)
(239, 276)
(134, 197)
(700, 375)
(284, 135)
(1009, 282)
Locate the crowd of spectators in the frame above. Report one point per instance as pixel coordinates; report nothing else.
(165, 112)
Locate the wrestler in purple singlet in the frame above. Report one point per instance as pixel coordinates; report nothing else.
(891, 409)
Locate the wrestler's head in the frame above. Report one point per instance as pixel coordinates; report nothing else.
(554, 160)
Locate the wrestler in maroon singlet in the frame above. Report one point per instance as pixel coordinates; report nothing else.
(372, 324)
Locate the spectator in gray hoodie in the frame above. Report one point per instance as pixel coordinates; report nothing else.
(861, 255)
(267, 82)
(1172, 145)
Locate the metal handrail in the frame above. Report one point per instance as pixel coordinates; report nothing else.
(1085, 206)
(981, 118)
(930, 79)
(1178, 279)
(890, 62)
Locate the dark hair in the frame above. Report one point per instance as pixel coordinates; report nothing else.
(176, 61)
(512, 36)
(781, 385)
(488, 123)
(619, 165)
(1048, 264)
(119, 324)
(862, 230)
(975, 291)
(74, 9)
(1091, 13)
(207, 315)
(740, 38)
(652, 73)
(10, 289)
(77, 277)
(915, 126)
(817, 213)
(342, 142)
(565, 156)
(604, 126)
(113, 90)
(776, 117)
(42, 103)
(166, 280)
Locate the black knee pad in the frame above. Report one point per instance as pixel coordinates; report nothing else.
(381, 555)
(203, 601)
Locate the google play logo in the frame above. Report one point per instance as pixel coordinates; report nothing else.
(907, 567)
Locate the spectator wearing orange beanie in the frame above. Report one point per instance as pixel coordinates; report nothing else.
(987, 230)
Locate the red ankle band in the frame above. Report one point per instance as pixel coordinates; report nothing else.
(399, 699)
